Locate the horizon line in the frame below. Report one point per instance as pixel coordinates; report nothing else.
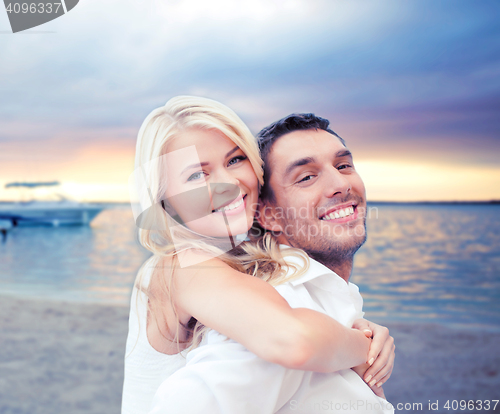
(489, 201)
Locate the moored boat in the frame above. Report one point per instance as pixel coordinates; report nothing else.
(61, 212)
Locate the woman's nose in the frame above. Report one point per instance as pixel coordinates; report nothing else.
(223, 192)
(221, 188)
(224, 182)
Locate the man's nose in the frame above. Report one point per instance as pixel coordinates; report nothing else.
(336, 183)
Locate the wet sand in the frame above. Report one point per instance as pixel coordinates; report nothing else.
(67, 358)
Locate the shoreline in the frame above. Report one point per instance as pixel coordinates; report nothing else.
(93, 301)
(60, 357)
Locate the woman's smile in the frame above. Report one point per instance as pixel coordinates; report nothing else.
(235, 207)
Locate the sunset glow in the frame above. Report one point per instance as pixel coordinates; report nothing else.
(412, 87)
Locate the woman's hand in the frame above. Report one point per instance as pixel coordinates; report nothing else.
(380, 356)
(360, 370)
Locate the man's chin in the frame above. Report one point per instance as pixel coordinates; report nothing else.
(335, 253)
(341, 246)
(339, 233)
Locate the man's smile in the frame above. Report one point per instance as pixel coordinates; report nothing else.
(347, 211)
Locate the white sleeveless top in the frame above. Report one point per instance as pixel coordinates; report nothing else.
(145, 367)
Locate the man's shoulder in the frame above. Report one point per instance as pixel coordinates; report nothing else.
(296, 263)
(297, 296)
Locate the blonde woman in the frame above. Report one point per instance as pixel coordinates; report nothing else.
(198, 174)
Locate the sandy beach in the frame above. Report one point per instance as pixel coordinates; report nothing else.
(67, 358)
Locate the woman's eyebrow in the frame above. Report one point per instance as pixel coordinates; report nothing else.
(197, 165)
(233, 150)
(203, 164)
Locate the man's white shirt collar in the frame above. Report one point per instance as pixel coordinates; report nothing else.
(315, 273)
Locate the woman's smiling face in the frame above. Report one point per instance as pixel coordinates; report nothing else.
(211, 184)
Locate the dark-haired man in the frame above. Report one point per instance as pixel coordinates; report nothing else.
(312, 197)
(313, 200)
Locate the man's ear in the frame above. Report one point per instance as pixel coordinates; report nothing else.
(267, 216)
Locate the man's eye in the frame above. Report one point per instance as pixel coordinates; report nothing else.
(304, 179)
(344, 166)
(196, 176)
(237, 159)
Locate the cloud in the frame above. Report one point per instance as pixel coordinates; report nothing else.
(394, 77)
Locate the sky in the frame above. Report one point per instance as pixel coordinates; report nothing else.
(412, 86)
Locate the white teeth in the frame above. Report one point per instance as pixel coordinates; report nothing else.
(340, 213)
(231, 206)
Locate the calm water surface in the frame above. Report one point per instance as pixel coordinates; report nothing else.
(429, 263)
(96, 263)
(435, 263)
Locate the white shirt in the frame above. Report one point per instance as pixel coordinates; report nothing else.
(223, 377)
(145, 367)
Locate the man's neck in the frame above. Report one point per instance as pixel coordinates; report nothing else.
(342, 267)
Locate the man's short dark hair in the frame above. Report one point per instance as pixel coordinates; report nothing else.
(270, 134)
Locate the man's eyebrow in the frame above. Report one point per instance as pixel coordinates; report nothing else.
(298, 163)
(309, 160)
(343, 153)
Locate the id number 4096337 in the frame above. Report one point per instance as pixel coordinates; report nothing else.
(33, 8)
(476, 405)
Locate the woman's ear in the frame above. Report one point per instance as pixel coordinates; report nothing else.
(267, 216)
(168, 208)
(171, 212)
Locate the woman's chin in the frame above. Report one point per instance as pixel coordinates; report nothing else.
(240, 225)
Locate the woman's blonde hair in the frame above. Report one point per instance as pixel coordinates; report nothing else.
(159, 128)
(158, 229)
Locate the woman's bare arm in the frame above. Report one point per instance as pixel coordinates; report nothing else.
(253, 313)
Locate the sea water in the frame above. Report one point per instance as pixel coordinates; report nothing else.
(421, 263)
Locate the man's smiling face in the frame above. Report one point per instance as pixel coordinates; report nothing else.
(319, 198)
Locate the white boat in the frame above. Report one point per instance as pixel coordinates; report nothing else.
(61, 212)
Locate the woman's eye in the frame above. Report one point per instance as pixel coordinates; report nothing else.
(196, 176)
(237, 159)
